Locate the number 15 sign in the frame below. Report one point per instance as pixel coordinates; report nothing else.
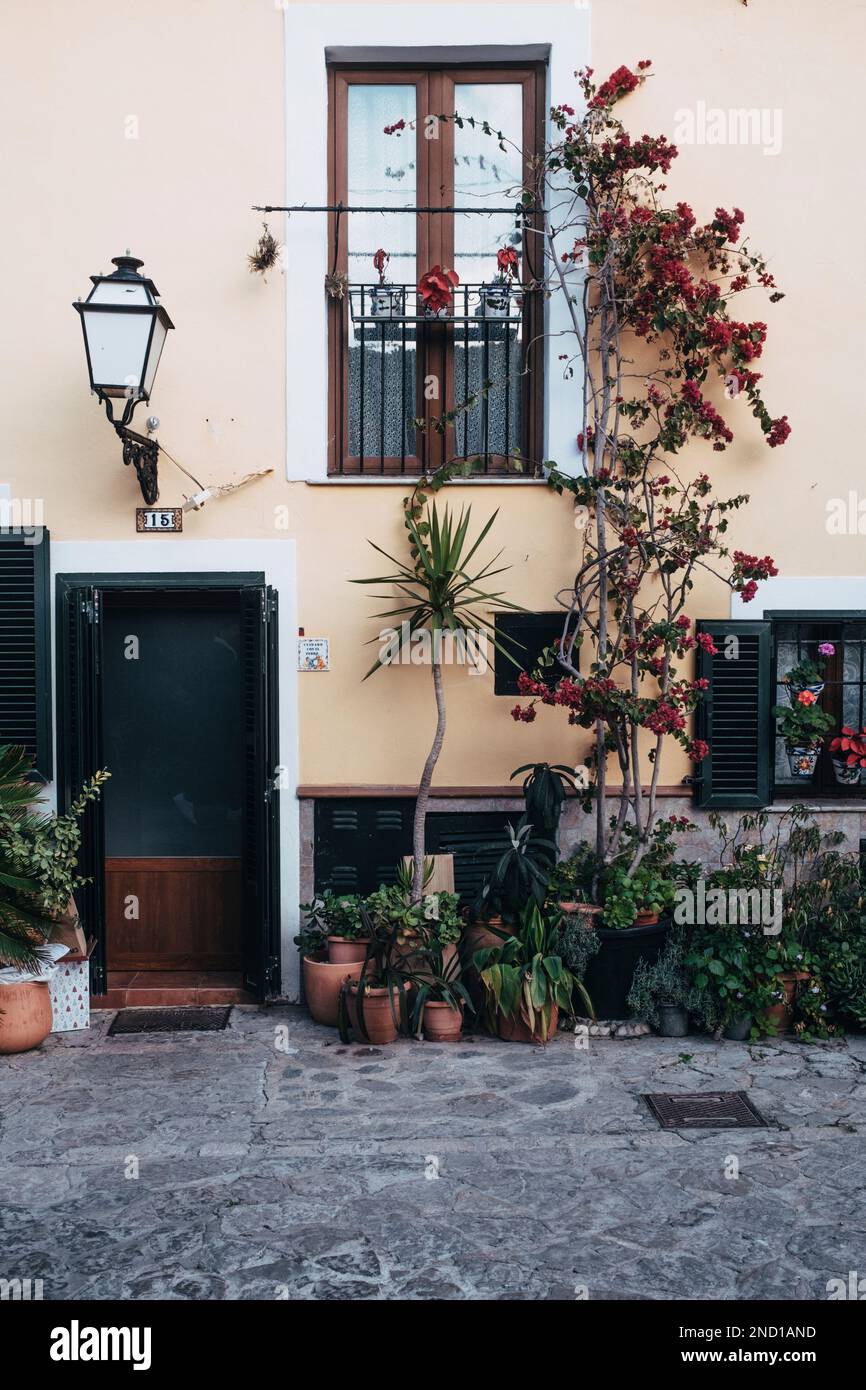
(152, 520)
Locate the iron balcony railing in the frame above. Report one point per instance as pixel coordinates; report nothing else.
(463, 372)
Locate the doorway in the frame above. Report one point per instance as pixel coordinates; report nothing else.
(171, 686)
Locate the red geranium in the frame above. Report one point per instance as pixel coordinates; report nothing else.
(506, 260)
(436, 288)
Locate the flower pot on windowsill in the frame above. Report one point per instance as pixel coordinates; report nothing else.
(346, 950)
(494, 300)
(387, 302)
(814, 689)
(802, 760)
(846, 776)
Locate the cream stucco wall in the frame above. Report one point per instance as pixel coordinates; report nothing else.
(204, 81)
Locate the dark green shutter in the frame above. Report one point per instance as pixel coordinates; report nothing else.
(359, 841)
(25, 693)
(477, 841)
(734, 715)
(260, 868)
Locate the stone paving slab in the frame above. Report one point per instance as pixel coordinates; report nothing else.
(272, 1161)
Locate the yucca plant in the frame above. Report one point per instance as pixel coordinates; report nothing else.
(524, 978)
(444, 600)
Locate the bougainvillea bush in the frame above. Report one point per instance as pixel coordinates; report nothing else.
(666, 357)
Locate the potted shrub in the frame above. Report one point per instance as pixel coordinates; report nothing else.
(848, 751)
(387, 301)
(436, 291)
(324, 975)
(495, 295)
(432, 923)
(803, 726)
(809, 674)
(441, 997)
(375, 1005)
(38, 876)
(526, 983)
(568, 889)
(665, 994)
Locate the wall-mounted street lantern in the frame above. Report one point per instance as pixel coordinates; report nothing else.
(125, 327)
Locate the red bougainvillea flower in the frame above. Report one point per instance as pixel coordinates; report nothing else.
(436, 288)
(698, 750)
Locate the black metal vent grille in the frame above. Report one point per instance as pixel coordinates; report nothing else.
(23, 655)
(186, 1020)
(706, 1110)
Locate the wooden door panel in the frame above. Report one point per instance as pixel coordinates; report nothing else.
(189, 914)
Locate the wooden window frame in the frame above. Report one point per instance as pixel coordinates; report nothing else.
(434, 85)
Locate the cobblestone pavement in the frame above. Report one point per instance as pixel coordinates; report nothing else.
(310, 1172)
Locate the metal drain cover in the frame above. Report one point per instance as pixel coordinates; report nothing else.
(186, 1020)
(706, 1110)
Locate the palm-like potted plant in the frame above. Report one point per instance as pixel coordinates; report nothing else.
(803, 726)
(442, 998)
(444, 599)
(849, 755)
(526, 983)
(375, 1005)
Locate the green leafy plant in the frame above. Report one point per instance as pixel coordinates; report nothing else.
(627, 893)
(576, 943)
(669, 980)
(444, 986)
(520, 875)
(544, 791)
(443, 598)
(330, 914)
(524, 978)
(433, 920)
(38, 859)
(802, 724)
(808, 672)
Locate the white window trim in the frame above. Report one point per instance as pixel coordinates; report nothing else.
(311, 28)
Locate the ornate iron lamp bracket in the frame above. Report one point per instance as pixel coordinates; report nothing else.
(141, 452)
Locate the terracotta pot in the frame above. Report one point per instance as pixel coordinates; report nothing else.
(25, 1016)
(441, 1022)
(379, 1025)
(646, 919)
(477, 936)
(516, 1030)
(782, 1013)
(322, 981)
(342, 950)
(589, 913)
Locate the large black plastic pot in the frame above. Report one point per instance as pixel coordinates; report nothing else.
(609, 973)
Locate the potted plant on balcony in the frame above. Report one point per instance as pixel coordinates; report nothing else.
(809, 674)
(436, 291)
(387, 301)
(526, 983)
(495, 295)
(849, 755)
(803, 726)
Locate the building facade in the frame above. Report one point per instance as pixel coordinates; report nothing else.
(248, 770)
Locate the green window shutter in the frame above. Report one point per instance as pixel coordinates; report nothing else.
(25, 662)
(734, 715)
(359, 841)
(477, 841)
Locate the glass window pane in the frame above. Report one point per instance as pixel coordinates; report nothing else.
(381, 173)
(483, 173)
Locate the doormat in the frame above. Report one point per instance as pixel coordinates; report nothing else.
(186, 1020)
(706, 1110)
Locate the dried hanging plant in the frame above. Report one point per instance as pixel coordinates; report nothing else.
(266, 254)
(336, 285)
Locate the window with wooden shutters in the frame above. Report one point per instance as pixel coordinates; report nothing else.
(25, 695)
(734, 716)
(526, 637)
